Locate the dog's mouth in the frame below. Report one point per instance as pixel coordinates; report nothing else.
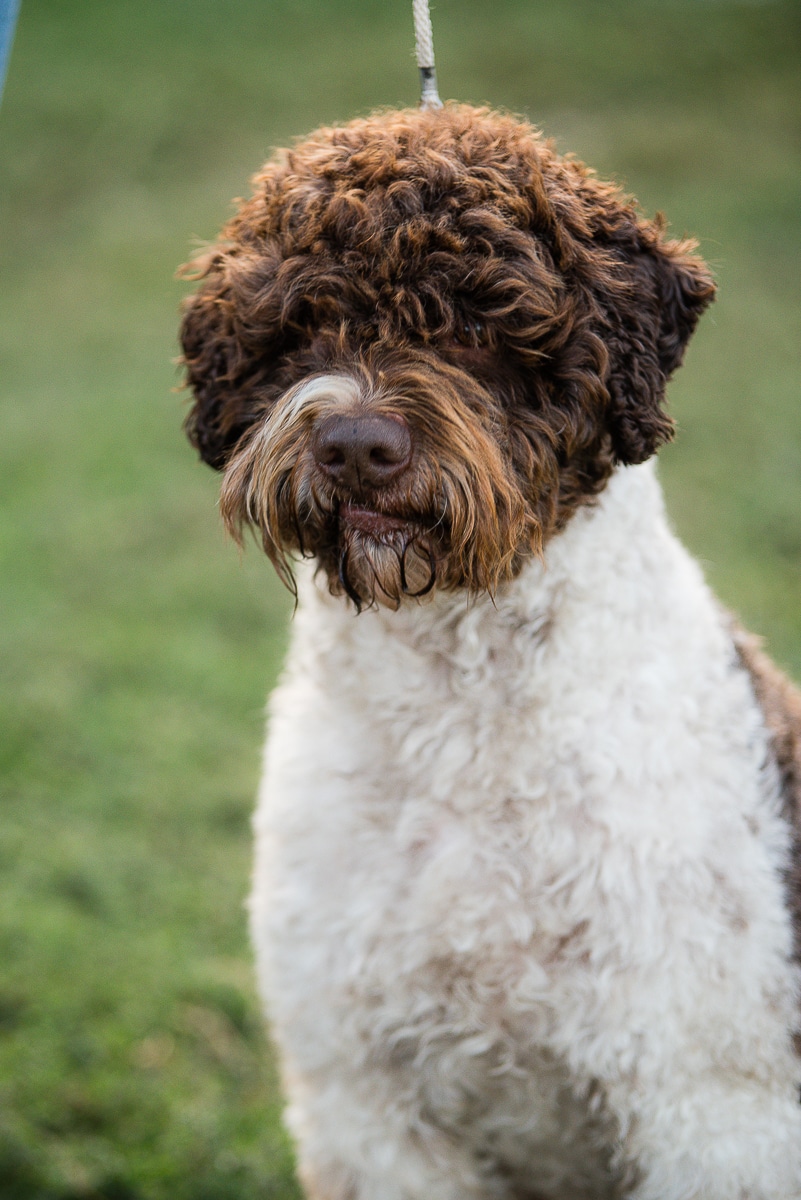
(375, 524)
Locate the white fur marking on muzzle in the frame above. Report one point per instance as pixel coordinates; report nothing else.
(339, 389)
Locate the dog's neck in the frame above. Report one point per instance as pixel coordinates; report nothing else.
(609, 571)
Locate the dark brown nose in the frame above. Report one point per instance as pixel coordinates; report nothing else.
(362, 451)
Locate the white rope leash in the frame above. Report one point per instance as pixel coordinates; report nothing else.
(424, 49)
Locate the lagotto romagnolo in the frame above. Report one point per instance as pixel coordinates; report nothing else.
(526, 897)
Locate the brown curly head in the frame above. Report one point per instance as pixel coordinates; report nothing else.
(424, 341)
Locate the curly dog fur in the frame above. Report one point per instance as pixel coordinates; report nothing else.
(527, 872)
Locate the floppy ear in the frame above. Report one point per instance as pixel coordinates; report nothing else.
(648, 324)
(231, 339)
(211, 355)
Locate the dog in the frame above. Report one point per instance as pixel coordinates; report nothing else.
(526, 897)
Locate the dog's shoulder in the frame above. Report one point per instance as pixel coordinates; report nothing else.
(780, 702)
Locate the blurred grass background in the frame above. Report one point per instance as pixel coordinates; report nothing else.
(136, 649)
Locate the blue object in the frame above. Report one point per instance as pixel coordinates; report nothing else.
(8, 19)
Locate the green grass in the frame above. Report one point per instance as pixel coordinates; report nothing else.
(137, 649)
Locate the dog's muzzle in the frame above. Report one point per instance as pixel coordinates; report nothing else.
(390, 475)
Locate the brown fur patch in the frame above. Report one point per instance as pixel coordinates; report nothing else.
(506, 294)
(780, 702)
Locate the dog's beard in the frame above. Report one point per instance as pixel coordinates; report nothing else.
(371, 557)
(383, 570)
(456, 519)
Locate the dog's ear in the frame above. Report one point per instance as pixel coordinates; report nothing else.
(649, 320)
(220, 372)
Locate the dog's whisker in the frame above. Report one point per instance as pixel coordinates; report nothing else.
(345, 581)
(401, 556)
(432, 565)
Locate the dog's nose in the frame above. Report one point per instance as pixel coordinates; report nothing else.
(365, 451)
